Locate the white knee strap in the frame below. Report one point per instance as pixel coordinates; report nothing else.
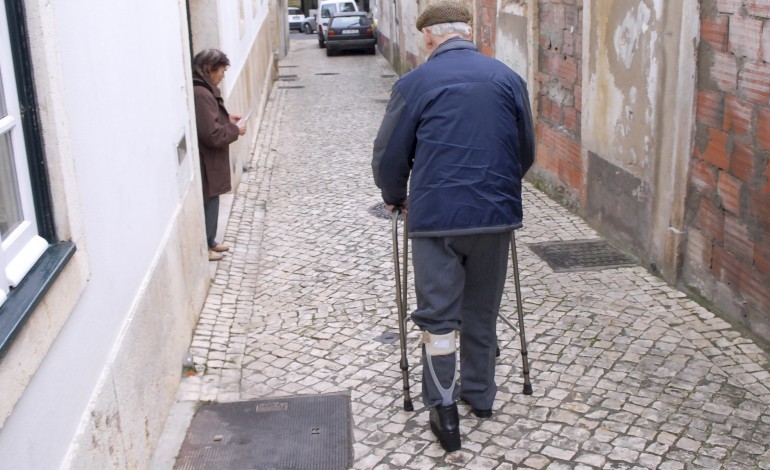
(440, 345)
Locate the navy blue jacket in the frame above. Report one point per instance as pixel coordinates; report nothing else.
(461, 125)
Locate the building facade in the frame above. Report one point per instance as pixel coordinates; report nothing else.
(103, 256)
(652, 123)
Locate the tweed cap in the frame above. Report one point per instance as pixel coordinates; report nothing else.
(443, 11)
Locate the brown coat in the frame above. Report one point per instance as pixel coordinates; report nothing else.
(215, 134)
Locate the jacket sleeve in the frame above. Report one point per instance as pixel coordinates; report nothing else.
(212, 132)
(393, 151)
(525, 129)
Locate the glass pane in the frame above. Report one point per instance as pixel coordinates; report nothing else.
(10, 204)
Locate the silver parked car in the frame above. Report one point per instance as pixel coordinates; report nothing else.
(308, 23)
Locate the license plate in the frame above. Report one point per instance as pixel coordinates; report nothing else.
(349, 31)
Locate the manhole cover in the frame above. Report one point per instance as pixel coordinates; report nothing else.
(380, 211)
(581, 255)
(303, 432)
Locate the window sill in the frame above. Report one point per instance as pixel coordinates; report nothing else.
(23, 299)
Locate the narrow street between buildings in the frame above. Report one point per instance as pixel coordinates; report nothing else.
(627, 372)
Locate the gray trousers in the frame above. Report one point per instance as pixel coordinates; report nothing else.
(459, 285)
(211, 214)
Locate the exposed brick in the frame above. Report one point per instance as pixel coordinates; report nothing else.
(568, 150)
(572, 121)
(724, 71)
(755, 288)
(710, 108)
(699, 249)
(742, 162)
(729, 190)
(759, 209)
(729, 6)
(727, 268)
(765, 49)
(737, 240)
(743, 36)
(711, 221)
(737, 115)
(759, 8)
(762, 255)
(703, 176)
(763, 128)
(567, 69)
(716, 149)
(754, 81)
(578, 98)
(545, 159)
(714, 31)
(766, 187)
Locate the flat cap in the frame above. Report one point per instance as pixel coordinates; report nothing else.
(443, 11)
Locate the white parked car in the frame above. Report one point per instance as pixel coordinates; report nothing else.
(295, 19)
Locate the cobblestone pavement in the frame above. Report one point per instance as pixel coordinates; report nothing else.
(627, 372)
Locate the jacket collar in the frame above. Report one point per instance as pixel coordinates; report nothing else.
(200, 81)
(453, 44)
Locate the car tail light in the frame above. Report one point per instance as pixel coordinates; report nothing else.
(330, 32)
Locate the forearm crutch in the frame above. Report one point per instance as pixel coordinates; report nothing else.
(525, 362)
(401, 303)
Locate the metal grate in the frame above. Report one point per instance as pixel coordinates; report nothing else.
(581, 255)
(303, 432)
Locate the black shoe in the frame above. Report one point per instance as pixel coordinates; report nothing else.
(481, 413)
(445, 424)
(477, 412)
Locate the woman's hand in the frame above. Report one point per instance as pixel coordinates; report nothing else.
(234, 118)
(241, 129)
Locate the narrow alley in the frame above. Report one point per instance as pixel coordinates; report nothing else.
(627, 372)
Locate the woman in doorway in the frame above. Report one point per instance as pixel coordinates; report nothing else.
(217, 129)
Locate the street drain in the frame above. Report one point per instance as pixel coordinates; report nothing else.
(327, 73)
(378, 100)
(581, 255)
(388, 337)
(388, 76)
(290, 86)
(380, 211)
(287, 78)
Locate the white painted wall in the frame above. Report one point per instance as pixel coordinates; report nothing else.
(124, 80)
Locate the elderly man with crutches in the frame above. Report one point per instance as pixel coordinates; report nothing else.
(458, 128)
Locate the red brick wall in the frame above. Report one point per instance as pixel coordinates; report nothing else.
(560, 81)
(487, 25)
(728, 251)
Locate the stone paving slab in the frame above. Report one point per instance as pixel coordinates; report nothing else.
(627, 372)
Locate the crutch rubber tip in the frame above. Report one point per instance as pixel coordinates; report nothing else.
(527, 389)
(408, 405)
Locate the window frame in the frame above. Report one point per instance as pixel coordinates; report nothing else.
(22, 300)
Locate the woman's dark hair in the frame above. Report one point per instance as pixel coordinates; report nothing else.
(209, 60)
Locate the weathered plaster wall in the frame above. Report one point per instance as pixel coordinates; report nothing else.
(727, 259)
(638, 56)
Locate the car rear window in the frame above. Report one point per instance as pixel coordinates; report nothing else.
(349, 21)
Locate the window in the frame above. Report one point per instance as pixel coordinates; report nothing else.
(31, 258)
(20, 244)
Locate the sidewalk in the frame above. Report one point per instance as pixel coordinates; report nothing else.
(627, 372)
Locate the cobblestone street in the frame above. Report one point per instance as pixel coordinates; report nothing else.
(627, 372)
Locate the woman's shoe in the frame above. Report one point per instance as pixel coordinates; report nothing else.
(220, 248)
(214, 256)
